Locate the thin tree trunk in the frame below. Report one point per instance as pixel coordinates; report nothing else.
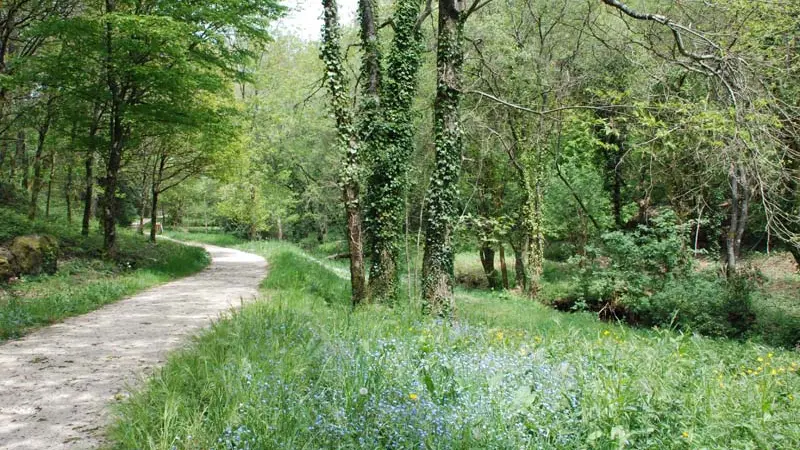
(88, 191)
(12, 169)
(3, 153)
(158, 175)
(22, 159)
(487, 261)
(740, 203)
(143, 209)
(154, 214)
(519, 266)
(115, 146)
(38, 163)
(503, 267)
(50, 184)
(68, 193)
(437, 282)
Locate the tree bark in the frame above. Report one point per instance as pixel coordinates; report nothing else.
(391, 145)
(143, 209)
(158, 176)
(3, 153)
(740, 204)
(22, 158)
(519, 266)
(38, 161)
(437, 282)
(487, 261)
(154, 215)
(88, 189)
(50, 184)
(503, 266)
(347, 141)
(68, 193)
(115, 146)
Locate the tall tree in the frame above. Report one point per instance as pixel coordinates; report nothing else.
(390, 147)
(348, 144)
(438, 259)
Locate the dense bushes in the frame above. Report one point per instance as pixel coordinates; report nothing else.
(648, 277)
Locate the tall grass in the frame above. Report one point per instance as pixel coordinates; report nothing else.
(301, 370)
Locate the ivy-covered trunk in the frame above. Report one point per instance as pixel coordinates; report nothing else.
(348, 143)
(534, 222)
(391, 145)
(520, 272)
(437, 265)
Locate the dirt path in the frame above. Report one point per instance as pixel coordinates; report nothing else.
(55, 383)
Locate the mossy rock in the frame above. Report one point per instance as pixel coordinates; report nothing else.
(35, 254)
(8, 268)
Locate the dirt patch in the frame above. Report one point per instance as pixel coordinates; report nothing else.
(56, 384)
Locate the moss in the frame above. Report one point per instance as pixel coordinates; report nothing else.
(35, 254)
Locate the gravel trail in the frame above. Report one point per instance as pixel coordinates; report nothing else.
(56, 383)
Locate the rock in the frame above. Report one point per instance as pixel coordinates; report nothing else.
(8, 269)
(35, 254)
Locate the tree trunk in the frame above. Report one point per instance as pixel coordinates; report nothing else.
(795, 251)
(390, 147)
(115, 145)
(154, 215)
(487, 261)
(22, 159)
(143, 209)
(3, 153)
(88, 190)
(503, 267)
(740, 203)
(158, 175)
(38, 162)
(12, 169)
(50, 184)
(519, 266)
(68, 193)
(347, 141)
(533, 220)
(110, 185)
(280, 229)
(437, 282)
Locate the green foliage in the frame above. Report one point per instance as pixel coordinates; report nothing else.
(511, 374)
(629, 265)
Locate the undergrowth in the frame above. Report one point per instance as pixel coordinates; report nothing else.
(300, 370)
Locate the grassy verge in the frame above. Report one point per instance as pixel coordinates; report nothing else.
(221, 239)
(84, 282)
(302, 371)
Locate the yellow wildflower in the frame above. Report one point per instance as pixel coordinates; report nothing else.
(413, 396)
(685, 435)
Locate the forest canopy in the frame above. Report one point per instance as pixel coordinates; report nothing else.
(635, 142)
